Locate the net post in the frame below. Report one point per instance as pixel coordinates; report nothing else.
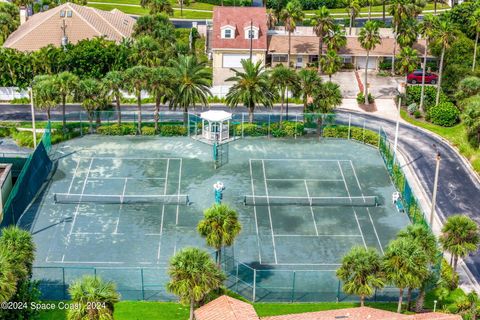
(254, 285)
(143, 285)
(64, 287)
(349, 125)
(293, 286)
(296, 121)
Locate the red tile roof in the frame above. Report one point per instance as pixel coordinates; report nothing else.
(226, 308)
(239, 17)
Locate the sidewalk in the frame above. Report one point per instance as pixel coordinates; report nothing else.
(386, 108)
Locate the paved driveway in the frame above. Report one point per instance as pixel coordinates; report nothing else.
(381, 87)
(348, 83)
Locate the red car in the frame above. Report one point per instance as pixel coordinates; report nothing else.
(416, 77)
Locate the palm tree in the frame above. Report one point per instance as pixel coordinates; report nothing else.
(8, 280)
(193, 81)
(45, 94)
(92, 291)
(408, 60)
(331, 63)
(405, 265)
(336, 38)
(291, 15)
(162, 88)
(369, 38)
(445, 35)
(427, 30)
(66, 84)
(361, 272)
(93, 97)
(475, 24)
(193, 274)
(136, 80)
(323, 24)
(353, 9)
(283, 79)
(113, 82)
(220, 227)
(19, 243)
(251, 87)
(147, 52)
(326, 97)
(460, 237)
(407, 32)
(308, 81)
(272, 19)
(157, 6)
(425, 239)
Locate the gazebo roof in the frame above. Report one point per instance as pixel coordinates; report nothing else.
(216, 115)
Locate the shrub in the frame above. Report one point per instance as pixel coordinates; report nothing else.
(445, 114)
(116, 130)
(148, 131)
(361, 98)
(448, 276)
(25, 138)
(365, 136)
(385, 65)
(171, 130)
(468, 87)
(414, 93)
(288, 129)
(5, 132)
(250, 129)
(412, 108)
(417, 114)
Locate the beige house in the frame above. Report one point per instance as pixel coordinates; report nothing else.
(69, 23)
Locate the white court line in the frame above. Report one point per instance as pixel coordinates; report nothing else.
(128, 158)
(368, 210)
(178, 190)
(121, 178)
(309, 264)
(163, 211)
(318, 235)
(354, 212)
(73, 177)
(293, 179)
(269, 212)
(96, 233)
(121, 206)
(311, 208)
(78, 206)
(296, 160)
(86, 262)
(255, 212)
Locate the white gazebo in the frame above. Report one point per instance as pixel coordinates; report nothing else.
(215, 125)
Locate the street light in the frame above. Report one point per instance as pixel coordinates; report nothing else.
(400, 90)
(435, 184)
(30, 91)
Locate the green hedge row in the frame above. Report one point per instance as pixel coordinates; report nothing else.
(287, 129)
(365, 136)
(166, 130)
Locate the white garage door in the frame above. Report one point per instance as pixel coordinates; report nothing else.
(232, 60)
(362, 61)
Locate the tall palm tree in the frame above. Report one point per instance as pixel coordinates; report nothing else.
(408, 61)
(336, 38)
(425, 239)
(162, 87)
(427, 29)
(193, 274)
(283, 79)
(93, 96)
(8, 280)
(309, 81)
(136, 80)
(45, 94)
(331, 63)
(290, 16)
(445, 35)
(406, 265)
(220, 226)
(272, 18)
(113, 82)
(475, 24)
(157, 6)
(361, 272)
(193, 81)
(326, 97)
(66, 84)
(353, 9)
(147, 52)
(369, 38)
(91, 290)
(460, 236)
(323, 24)
(407, 32)
(251, 87)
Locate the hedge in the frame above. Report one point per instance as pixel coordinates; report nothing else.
(166, 130)
(288, 129)
(445, 114)
(414, 93)
(365, 136)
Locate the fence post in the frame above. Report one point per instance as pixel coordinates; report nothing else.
(143, 285)
(293, 286)
(338, 291)
(349, 125)
(64, 286)
(188, 125)
(379, 137)
(254, 285)
(268, 130)
(81, 127)
(243, 120)
(363, 131)
(236, 277)
(296, 121)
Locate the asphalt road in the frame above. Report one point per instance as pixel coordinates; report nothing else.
(458, 190)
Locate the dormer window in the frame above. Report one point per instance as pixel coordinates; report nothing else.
(251, 32)
(227, 34)
(227, 31)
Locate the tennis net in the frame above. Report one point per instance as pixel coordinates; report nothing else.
(174, 199)
(365, 201)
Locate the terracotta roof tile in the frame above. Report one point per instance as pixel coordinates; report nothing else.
(226, 308)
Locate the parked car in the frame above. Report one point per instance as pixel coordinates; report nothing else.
(416, 77)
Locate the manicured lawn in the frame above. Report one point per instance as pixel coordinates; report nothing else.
(187, 14)
(133, 310)
(275, 309)
(429, 6)
(175, 4)
(456, 135)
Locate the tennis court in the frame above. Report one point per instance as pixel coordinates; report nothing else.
(124, 206)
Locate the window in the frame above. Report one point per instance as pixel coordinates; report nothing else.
(251, 33)
(62, 13)
(280, 58)
(227, 34)
(347, 59)
(69, 13)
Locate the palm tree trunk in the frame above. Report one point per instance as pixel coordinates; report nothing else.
(48, 114)
(475, 52)
(362, 300)
(394, 48)
(400, 300)
(383, 11)
(119, 112)
(219, 262)
(320, 49)
(192, 304)
(422, 94)
(435, 7)
(156, 114)
(139, 116)
(289, 47)
(90, 121)
(369, 10)
(185, 116)
(98, 120)
(420, 301)
(64, 118)
(451, 261)
(366, 79)
(282, 100)
(455, 263)
(439, 83)
(250, 113)
(319, 125)
(409, 298)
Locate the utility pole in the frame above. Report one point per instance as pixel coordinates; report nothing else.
(33, 117)
(435, 185)
(401, 90)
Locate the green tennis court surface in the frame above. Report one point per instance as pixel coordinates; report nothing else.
(308, 203)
